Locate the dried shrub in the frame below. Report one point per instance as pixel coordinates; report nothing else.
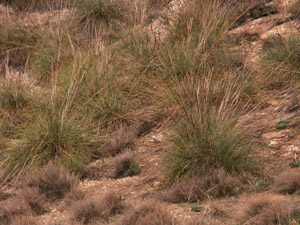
(266, 209)
(88, 211)
(203, 220)
(4, 196)
(123, 138)
(190, 190)
(289, 181)
(73, 196)
(53, 181)
(218, 184)
(23, 220)
(11, 208)
(148, 213)
(123, 165)
(33, 199)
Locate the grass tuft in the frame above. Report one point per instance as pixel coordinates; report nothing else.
(281, 59)
(207, 136)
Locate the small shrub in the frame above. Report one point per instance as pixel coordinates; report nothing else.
(150, 212)
(125, 166)
(202, 220)
(11, 208)
(288, 181)
(23, 220)
(99, 208)
(4, 196)
(120, 140)
(34, 200)
(73, 196)
(218, 184)
(266, 209)
(53, 181)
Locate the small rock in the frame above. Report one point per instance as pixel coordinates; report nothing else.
(273, 144)
(273, 135)
(156, 184)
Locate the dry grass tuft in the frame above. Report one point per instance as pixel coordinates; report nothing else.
(218, 184)
(53, 181)
(266, 209)
(99, 208)
(147, 213)
(288, 181)
(123, 138)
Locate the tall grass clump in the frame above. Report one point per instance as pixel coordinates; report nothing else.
(58, 132)
(281, 59)
(16, 43)
(199, 39)
(36, 49)
(207, 135)
(13, 96)
(100, 93)
(99, 17)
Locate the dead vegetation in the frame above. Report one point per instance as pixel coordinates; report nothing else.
(267, 209)
(122, 139)
(123, 165)
(98, 208)
(288, 181)
(147, 213)
(53, 181)
(216, 185)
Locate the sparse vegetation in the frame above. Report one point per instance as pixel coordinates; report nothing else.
(94, 89)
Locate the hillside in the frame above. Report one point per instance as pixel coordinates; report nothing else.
(145, 112)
